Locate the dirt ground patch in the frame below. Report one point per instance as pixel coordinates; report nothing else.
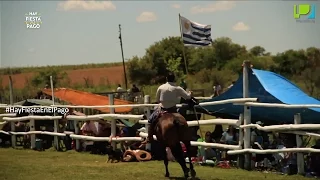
(111, 75)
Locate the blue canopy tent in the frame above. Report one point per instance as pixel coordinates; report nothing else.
(268, 87)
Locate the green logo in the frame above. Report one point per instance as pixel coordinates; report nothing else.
(304, 10)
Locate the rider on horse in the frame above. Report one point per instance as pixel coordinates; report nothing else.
(168, 96)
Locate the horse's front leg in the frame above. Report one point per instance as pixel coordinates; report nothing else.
(165, 161)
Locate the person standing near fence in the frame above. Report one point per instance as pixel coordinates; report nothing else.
(216, 90)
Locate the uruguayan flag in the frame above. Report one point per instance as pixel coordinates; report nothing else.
(195, 34)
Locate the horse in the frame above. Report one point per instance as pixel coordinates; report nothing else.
(170, 129)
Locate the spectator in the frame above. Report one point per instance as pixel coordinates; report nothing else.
(134, 89)
(209, 152)
(216, 90)
(230, 136)
(88, 129)
(231, 85)
(315, 159)
(260, 142)
(119, 88)
(217, 133)
(39, 95)
(256, 135)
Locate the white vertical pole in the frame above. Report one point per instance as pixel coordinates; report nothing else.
(247, 115)
(240, 156)
(13, 127)
(76, 129)
(113, 121)
(32, 136)
(55, 122)
(147, 110)
(300, 160)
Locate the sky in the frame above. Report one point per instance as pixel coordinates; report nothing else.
(81, 32)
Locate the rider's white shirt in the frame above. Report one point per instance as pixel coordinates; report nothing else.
(169, 95)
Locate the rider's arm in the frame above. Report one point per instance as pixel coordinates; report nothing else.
(183, 93)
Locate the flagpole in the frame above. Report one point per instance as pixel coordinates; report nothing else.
(183, 50)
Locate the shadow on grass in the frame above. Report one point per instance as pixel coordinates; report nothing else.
(182, 178)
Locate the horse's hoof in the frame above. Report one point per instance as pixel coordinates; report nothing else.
(186, 175)
(193, 173)
(167, 175)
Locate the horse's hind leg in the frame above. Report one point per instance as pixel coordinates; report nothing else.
(188, 147)
(165, 160)
(178, 154)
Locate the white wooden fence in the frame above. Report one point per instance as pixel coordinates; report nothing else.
(244, 123)
(112, 117)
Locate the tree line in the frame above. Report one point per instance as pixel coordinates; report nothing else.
(221, 63)
(216, 64)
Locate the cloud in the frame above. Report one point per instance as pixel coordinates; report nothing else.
(176, 6)
(31, 50)
(214, 7)
(89, 5)
(146, 17)
(240, 26)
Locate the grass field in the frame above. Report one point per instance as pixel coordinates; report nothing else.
(51, 165)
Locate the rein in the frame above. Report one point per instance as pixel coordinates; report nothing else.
(195, 112)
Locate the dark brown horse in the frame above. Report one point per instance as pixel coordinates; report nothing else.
(170, 130)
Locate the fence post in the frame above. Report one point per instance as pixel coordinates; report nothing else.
(113, 121)
(13, 127)
(76, 131)
(241, 157)
(247, 115)
(55, 122)
(147, 100)
(13, 137)
(56, 130)
(300, 160)
(32, 136)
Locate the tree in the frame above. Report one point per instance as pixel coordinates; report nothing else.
(311, 79)
(140, 71)
(153, 65)
(221, 62)
(43, 77)
(88, 82)
(257, 51)
(173, 65)
(202, 58)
